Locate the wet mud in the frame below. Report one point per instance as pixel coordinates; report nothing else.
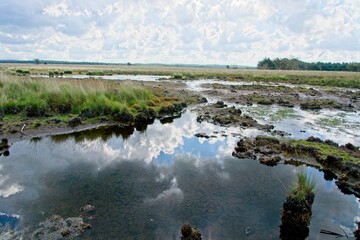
(339, 162)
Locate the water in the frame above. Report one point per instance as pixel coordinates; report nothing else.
(146, 184)
(199, 85)
(147, 78)
(339, 126)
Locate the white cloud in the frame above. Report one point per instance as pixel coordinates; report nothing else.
(187, 31)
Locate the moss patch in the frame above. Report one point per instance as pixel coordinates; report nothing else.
(326, 150)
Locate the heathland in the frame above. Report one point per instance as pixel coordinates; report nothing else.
(29, 98)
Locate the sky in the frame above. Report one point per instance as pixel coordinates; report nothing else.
(239, 32)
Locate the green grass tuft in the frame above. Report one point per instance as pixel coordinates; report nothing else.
(303, 188)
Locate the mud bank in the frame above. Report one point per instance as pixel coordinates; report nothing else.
(337, 162)
(306, 98)
(25, 129)
(220, 114)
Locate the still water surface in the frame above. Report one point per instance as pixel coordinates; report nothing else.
(146, 184)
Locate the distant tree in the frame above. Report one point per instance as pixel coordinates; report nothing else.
(128, 63)
(37, 61)
(296, 64)
(227, 66)
(266, 63)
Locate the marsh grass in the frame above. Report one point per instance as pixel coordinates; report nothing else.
(303, 188)
(318, 78)
(331, 122)
(41, 97)
(326, 150)
(282, 114)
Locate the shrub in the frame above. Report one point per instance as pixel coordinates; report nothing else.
(178, 76)
(23, 72)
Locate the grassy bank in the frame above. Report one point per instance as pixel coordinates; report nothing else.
(322, 150)
(331, 79)
(26, 97)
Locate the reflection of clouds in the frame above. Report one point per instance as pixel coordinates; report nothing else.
(8, 189)
(156, 140)
(203, 175)
(309, 122)
(11, 190)
(173, 194)
(3, 179)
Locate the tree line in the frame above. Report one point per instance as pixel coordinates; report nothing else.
(296, 64)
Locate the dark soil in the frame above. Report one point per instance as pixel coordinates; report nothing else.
(26, 129)
(306, 98)
(220, 114)
(190, 233)
(295, 218)
(271, 151)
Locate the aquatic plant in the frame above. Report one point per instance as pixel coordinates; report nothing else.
(331, 122)
(304, 189)
(296, 212)
(281, 114)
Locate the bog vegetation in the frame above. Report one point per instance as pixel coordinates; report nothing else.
(44, 97)
(304, 187)
(316, 78)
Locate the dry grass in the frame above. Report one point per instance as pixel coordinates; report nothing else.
(338, 79)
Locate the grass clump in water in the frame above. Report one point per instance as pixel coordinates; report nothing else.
(296, 212)
(304, 187)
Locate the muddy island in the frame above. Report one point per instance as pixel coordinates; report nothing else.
(339, 162)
